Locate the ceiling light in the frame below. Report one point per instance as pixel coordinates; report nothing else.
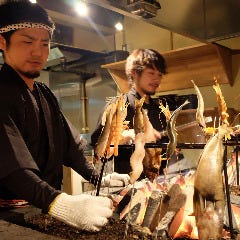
(119, 26)
(33, 1)
(81, 8)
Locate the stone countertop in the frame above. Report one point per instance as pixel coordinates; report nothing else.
(12, 225)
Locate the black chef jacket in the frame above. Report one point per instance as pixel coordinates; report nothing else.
(35, 142)
(156, 117)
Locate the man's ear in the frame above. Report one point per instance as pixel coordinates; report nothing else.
(2, 42)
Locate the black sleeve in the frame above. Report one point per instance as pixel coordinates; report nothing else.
(25, 184)
(75, 155)
(97, 132)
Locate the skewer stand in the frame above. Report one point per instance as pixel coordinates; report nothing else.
(191, 146)
(104, 161)
(228, 193)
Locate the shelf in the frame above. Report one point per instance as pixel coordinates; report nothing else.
(199, 63)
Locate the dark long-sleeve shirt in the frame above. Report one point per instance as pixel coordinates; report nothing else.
(36, 140)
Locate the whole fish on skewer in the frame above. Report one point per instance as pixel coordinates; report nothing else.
(171, 131)
(152, 162)
(200, 109)
(144, 160)
(209, 197)
(101, 146)
(208, 184)
(142, 124)
(136, 159)
(138, 124)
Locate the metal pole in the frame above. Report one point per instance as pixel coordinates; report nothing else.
(84, 100)
(237, 164)
(104, 160)
(228, 193)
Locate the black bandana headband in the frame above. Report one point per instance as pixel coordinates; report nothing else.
(19, 14)
(26, 25)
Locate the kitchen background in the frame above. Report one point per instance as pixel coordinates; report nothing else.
(81, 46)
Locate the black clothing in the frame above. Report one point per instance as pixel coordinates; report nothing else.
(35, 136)
(156, 117)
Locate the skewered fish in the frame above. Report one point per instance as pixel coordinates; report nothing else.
(171, 131)
(101, 146)
(136, 160)
(209, 197)
(147, 160)
(208, 184)
(200, 109)
(138, 123)
(152, 162)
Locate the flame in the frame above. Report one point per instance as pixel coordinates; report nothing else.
(188, 226)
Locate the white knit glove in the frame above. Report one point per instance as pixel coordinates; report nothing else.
(83, 211)
(115, 180)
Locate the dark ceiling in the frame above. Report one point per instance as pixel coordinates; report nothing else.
(204, 20)
(99, 15)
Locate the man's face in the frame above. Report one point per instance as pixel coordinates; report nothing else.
(148, 81)
(28, 51)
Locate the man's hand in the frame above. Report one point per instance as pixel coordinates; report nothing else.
(115, 180)
(83, 211)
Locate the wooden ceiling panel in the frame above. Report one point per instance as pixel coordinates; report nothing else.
(200, 63)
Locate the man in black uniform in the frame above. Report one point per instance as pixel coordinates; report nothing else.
(35, 138)
(144, 69)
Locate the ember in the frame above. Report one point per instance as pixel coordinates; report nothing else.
(147, 210)
(160, 208)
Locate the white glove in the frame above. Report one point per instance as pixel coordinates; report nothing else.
(115, 180)
(83, 211)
